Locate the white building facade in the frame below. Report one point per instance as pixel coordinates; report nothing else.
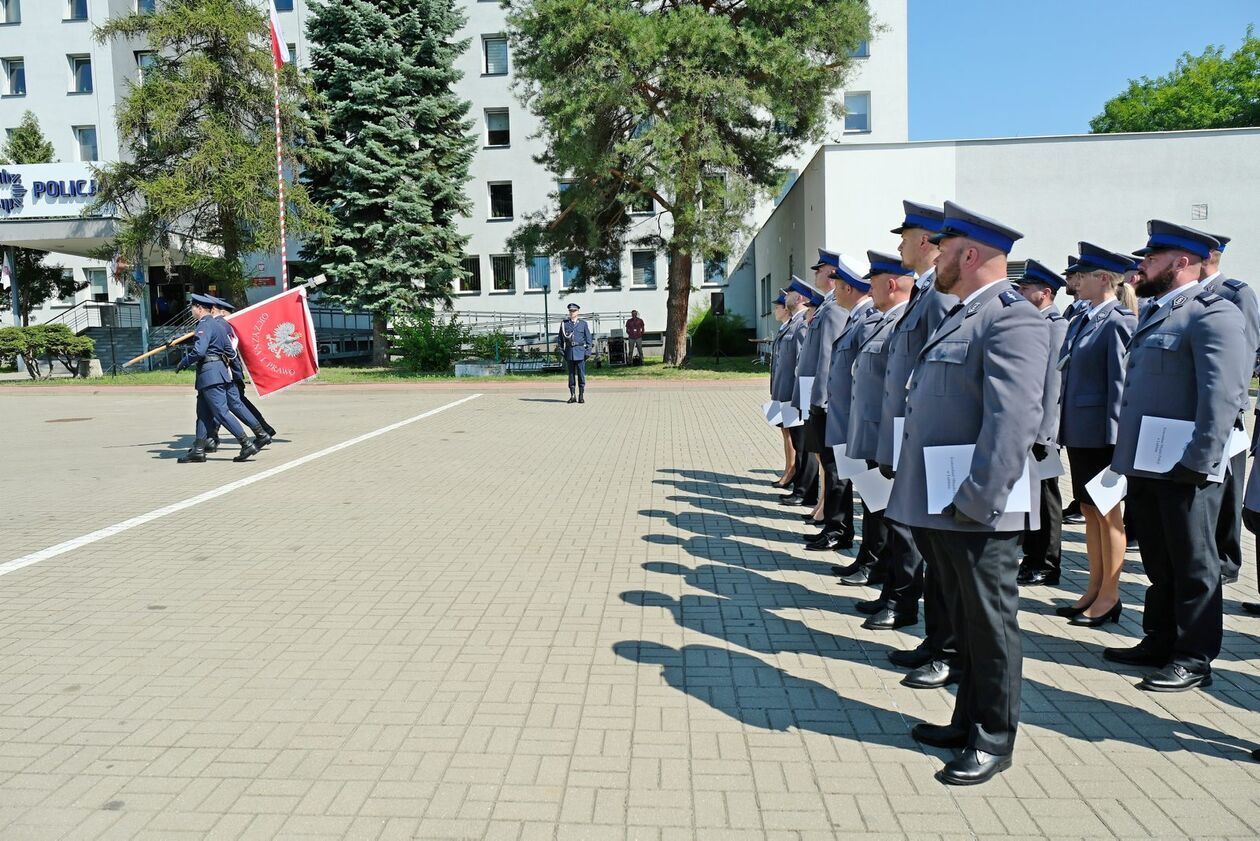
(51, 65)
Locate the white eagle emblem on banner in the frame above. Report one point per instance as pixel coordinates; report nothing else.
(285, 340)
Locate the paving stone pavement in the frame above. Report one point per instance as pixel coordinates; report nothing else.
(519, 619)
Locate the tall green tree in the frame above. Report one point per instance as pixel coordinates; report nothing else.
(1210, 90)
(690, 103)
(200, 163)
(392, 158)
(37, 281)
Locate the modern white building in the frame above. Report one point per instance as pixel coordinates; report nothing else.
(1101, 188)
(51, 65)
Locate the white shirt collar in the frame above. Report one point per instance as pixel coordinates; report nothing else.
(1210, 278)
(925, 279)
(861, 304)
(894, 309)
(1180, 290)
(1094, 308)
(980, 291)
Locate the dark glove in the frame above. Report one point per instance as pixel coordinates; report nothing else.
(1251, 519)
(887, 472)
(951, 510)
(1185, 476)
(183, 363)
(1040, 451)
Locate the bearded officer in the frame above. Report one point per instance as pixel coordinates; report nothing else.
(1188, 361)
(576, 343)
(979, 382)
(212, 353)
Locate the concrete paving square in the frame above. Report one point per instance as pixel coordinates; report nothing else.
(519, 619)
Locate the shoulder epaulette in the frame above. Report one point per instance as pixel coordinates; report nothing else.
(1124, 311)
(1208, 298)
(1054, 316)
(1234, 284)
(1010, 297)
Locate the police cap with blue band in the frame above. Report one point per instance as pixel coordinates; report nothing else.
(825, 258)
(781, 300)
(809, 293)
(853, 271)
(1072, 265)
(1093, 259)
(1035, 272)
(884, 263)
(961, 222)
(1221, 238)
(222, 304)
(1166, 236)
(923, 216)
(204, 300)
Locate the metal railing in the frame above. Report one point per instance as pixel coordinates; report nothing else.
(88, 314)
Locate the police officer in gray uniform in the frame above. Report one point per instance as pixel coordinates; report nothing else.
(1229, 528)
(979, 381)
(1043, 548)
(212, 354)
(804, 483)
(898, 603)
(934, 661)
(783, 313)
(576, 343)
(239, 403)
(1188, 361)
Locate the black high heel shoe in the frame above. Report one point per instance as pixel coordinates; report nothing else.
(1083, 621)
(1070, 612)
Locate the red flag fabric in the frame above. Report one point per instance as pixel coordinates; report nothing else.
(279, 49)
(277, 341)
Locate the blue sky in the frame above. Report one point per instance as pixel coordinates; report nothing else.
(996, 68)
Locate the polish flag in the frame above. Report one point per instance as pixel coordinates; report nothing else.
(279, 49)
(277, 341)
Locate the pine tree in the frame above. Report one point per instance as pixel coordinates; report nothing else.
(393, 153)
(37, 281)
(199, 126)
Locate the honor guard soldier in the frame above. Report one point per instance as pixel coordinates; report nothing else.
(934, 661)
(899, 559)
(784, 317)
(1043, 548)
(238, 402)
(576, 343)
(212, 354)
(1188, 362)
(801, 299)
(979, 382)
(1229, 529)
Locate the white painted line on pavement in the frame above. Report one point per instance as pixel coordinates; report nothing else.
(127, 525)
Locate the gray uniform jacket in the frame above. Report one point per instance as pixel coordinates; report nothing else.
(979, 381)
(212, 352)
(1091, 376)
(1049, 432)
(575, 339)
(815, 359)
(921, 316)
(787, 350)
(862, 322)
(1188, 360)
(774, 352)
(866, 413)
(1244, 297)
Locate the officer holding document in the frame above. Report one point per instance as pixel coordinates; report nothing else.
(972, 416)
(804, 484)
(1185, 385)
(784, 316)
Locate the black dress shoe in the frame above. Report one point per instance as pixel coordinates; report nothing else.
(1175, 678)
(1137, 655)
(849, 569)
(1082, 621)
(1226, 578)
(1070, 611)
(1038, 578)
(810, 538)
(572, 399)
(1131, 546)
(824, 544)
(939, 735)
(876, 576)
(871, 607)
(1073, 519)
(581, 398)
(790, 499)
(912, 659)
(1251, 607)
(931, 675)
(857, 579)
(247, 449)
(890, 619)
(973, 767)
(846, 542)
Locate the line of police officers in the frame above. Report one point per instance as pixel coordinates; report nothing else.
(936, 347)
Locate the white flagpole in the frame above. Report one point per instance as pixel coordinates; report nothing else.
(284, 251)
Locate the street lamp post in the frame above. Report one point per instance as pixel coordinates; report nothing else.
(547, 316)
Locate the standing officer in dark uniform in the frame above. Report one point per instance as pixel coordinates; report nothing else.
(576, 343)
(978, 382)
(933, 661)
(238, 402)
(212, 354)
(1188, 361)
(1043, 548)
(801, 298)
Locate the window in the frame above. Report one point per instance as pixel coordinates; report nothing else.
(540, 272)
(76, 9)
(67, 279)
(498, 129)
(714, 272)
(85, 136)
(862, 50)
(14, 77)
(609, 274)
(503, 267)
(99, 288)
(471, 281)
(284, 5)
(501, 200)
(80, 73)
(496, 54)
(10, 11)
(568, 273)
(642, 204)
(148, 7)
(643, 271)
(857, 112)
(144, 62)
(764, 287)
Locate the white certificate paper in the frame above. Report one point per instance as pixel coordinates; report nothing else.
(1107, 489)
(1051, 467)
(773, 412)
(790, 416)
(1161, 443)
(807, 388)
(873, 488)
(948, 467)
(899, 431)
(847, 468)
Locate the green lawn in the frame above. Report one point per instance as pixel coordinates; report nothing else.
(701, 369)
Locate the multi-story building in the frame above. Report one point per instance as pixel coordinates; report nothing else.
(51, 65)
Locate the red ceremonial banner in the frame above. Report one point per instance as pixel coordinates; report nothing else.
(277, 341)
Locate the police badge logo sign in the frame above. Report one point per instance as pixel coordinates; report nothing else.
(12, 193)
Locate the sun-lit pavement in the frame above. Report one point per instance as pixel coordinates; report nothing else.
(519, 619)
